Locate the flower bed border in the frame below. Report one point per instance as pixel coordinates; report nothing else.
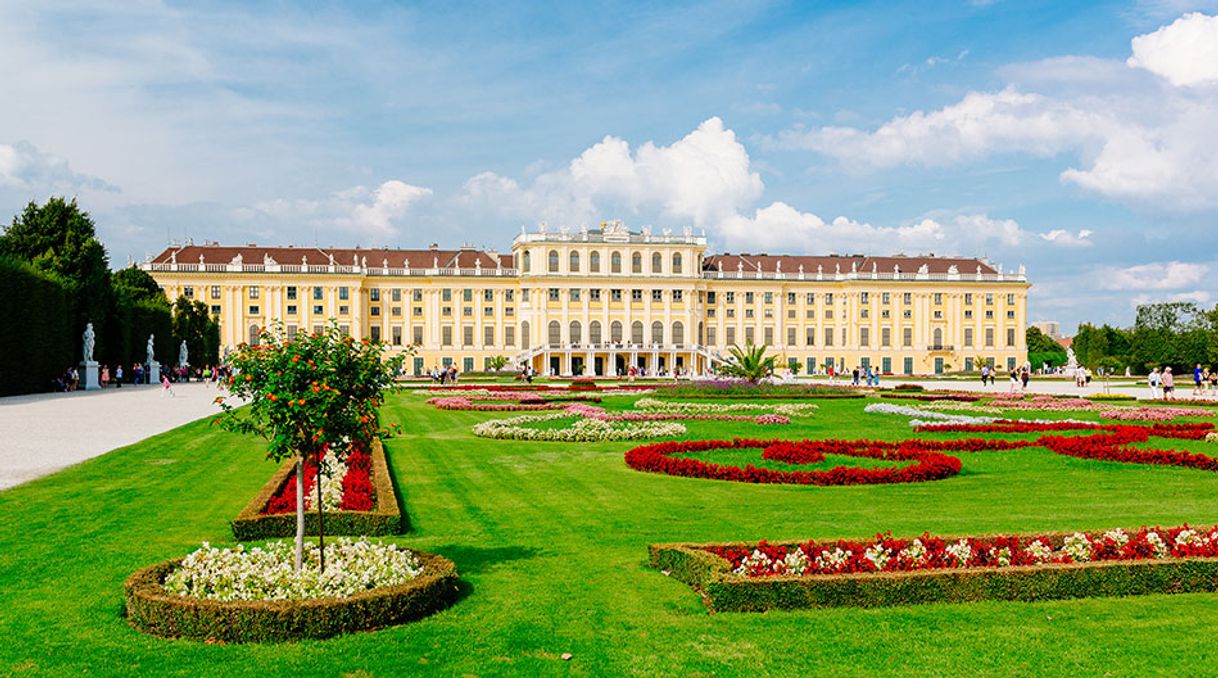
(386, 518)
(721, 591)
(152, 610)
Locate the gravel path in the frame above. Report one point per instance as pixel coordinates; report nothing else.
(47, 432)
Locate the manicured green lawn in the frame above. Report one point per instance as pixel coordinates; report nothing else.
(551, 540)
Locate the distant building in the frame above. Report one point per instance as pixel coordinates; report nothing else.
(599, 301)
(1051, 328)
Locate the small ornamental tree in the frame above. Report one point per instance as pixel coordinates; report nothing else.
(750, 363)
(309, 395)
(497, 363)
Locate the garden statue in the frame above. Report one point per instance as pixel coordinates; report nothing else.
(151, 352)
(183, 354)
(90, 339)
(1071, 361)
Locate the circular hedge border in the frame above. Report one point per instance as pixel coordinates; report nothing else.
(154, 611)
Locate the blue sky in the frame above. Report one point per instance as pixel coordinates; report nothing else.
(1078, 139)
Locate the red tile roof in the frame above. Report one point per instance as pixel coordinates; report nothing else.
(320, 256)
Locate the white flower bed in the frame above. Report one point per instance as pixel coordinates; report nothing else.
(922, 417)
(331, 481)
(583, 429)
(787, 409)
(267, 573)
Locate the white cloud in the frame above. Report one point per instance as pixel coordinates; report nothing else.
(1184, 52)
(1065, 238)
(26, 168)
(702, 179)
(372, 212)
(1171, 275)
(1197, 296)
(781, 227)
(1134, 138)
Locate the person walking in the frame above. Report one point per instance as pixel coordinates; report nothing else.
(1024, 375)
(1197, 377)
(1169, 384)
(118, 375)
(1152, 380)
(166, 387)
(1014, 376)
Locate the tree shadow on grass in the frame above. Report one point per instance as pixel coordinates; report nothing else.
(477, 559)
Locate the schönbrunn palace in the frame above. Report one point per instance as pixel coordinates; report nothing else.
(597, 301)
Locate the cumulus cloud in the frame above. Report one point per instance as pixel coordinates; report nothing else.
(1184, 52)
(1100, 112)
(702, 178)
(24, 167)
(1170, 275)
(373, 212)
(781, 227)
(1196, 296)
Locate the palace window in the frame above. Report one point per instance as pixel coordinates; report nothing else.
(488, 335)
(615, 296)
(488, 295)
(253, 310)
(318, 309)
(864, 336)
(790, 297)
(574, 294)
(907, 297)
(657, 295)
(526, 262)
(417, 295)
(657, 264)
(938, 298)
(730, 334)
(828, 298)
(373, 294)
(810, 336)
(554, 294)
(710, 297)
(968, 298)
(488, 311)
(968, 336)
(907, 336)
(769, 297)
(678, 295)
(188, 292)
(317, 294)
(636, 263)
(594, 295)
(553, 261)
(374, 311)
(615, 262)
(636, 295)
(344, 293)
(253, 292)
(676, 262)
(396, 294)
(885, 298)
(729, 297)
(885, 336)
(750, 334)
(292, 309)
(509, 295)
(594, 262)
(215, 291)
(989, 300)
(748, 297)
(573, 262)
(417, 334)
(864, 297)
(446, 294)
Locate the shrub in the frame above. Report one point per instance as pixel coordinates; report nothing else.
(384, 518)
(39, 307)
(909, 388)
(583, 384)
(154, 611)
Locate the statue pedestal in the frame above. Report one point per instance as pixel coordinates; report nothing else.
(88, 376)
(154, 373)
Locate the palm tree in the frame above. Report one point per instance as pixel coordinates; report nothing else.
(750, 363)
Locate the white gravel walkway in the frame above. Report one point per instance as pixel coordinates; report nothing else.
(47, 432)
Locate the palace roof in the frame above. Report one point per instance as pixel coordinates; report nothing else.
(787, 263)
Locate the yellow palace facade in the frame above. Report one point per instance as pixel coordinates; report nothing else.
(600, 301)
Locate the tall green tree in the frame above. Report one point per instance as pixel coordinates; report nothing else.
(194, 324)
(1043, 349)
(60, 238)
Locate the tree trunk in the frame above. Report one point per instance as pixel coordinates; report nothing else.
(300, 511)
(321, 514)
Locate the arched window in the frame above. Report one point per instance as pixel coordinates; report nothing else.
(636, 331)
(527, 263)
(678, 333)
(524, 326)
(594, 262)
(573, 263)
(657, 332)
(676, 262)
(594, 332)
(554, 261)
(615, 262)
(555, 332)
(254, 332)
(657, 263)
(575, 332)
(636, 263)
(615, 332)
(938, 337)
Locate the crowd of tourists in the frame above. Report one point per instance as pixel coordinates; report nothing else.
(136, 375)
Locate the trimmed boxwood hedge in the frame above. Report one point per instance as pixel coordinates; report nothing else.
(723, 591)
(154, 611)
(385, 518)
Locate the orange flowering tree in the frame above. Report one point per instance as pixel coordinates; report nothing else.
(308, 396)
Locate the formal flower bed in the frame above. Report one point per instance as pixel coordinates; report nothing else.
(346, 485)
(1152, 413)
(886, 571)
(268, 572)
(582, 429)
(363, 502)
(929, 464)
(923, 415)
(242, 595)
(784, 409)
(885, 553)
(594, 412)
(957, 396)
(510, 401)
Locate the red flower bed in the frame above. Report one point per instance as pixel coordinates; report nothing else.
(1111, 442)
(883, 553)
(358, 493)
(928, 464)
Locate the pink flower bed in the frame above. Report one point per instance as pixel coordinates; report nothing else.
(594, 412)
(1152, 413)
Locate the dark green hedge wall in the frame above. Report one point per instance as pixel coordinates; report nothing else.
(36, 338)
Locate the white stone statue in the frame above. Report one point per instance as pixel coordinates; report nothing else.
(183, 354)
(151, 352)
(1071, 360)
(90, 339)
